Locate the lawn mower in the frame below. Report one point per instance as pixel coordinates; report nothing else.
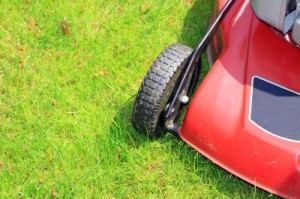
(245, 114)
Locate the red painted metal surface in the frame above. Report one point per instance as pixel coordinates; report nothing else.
(217, 122)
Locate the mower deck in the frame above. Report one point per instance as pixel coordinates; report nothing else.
(245, 115)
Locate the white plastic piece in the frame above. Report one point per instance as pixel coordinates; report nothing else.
(184, 99)
(277, 13)
(296, 31)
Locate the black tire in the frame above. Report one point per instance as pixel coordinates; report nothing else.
(157, 88)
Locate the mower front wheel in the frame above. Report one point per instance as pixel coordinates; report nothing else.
(157, 89)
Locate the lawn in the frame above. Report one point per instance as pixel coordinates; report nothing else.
(69, 73)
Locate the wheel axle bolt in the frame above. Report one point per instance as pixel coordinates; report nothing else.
(184, 99)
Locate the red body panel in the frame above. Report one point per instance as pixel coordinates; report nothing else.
(217, 122)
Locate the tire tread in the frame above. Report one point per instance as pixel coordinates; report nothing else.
(153, 90)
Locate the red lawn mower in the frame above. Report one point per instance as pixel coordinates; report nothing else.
(245, 115)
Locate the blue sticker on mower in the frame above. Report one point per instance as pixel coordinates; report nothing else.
(275, 109)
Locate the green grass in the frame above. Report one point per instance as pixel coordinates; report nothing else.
(66, 101)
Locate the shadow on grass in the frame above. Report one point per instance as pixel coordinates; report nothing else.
(196, 23)
(123, 135)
